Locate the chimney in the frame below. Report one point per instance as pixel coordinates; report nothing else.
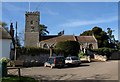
(11, 30)
(12, 34)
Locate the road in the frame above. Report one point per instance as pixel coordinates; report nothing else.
(86, 71)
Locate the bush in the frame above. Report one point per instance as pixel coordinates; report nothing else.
(31, 51)
(104, 51)
(68, 48)
(81, 55)
(58, 51)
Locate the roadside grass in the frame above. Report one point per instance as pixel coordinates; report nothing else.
(12, 78)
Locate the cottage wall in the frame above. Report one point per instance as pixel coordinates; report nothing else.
(37, 59)
(6, 47)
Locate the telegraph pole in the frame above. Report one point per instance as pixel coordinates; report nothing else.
(16, 43)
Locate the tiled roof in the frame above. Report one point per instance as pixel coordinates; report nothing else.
(4, 34)
(86, 39)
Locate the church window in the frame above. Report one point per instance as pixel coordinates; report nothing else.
(31, 22)
(32, 29)
(45, 46)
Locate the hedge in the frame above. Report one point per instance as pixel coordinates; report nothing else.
(104, 51)
(31, 51)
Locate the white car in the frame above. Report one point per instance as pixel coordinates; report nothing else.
(72, 60)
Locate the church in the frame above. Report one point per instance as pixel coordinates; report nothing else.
(33, 38)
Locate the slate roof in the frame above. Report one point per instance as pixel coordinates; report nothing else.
(60, 38)
(81, 39)
(4, 34)
(47, 37)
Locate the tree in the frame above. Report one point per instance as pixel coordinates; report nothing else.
(111, 37)
(96, 30)
(99, 34)
(69, 47)
(43, 30)
(86, 33)
(112, 40)
(118, 45)
(4, 25)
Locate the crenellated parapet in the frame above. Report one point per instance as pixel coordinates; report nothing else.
(35, 12)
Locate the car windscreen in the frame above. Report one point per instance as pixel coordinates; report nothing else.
(74, 58)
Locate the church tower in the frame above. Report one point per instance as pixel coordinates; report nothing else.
(32, 29)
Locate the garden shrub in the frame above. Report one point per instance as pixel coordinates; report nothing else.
(31, 51)
(68, 48)
(104, 51)
(58, 51)
(81, 55)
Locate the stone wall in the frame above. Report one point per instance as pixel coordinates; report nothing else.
(100, 57)
(115, 55)
(36, 60)
(31, 39)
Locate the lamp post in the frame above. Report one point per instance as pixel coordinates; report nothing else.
(15, 56)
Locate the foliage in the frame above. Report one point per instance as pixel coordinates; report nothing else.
(31, 51)
(118, 45)
(112, 40)
(69, 47)
(4, 60)
(81, 55)
(104, 51)
(86, 33)
(12, 78)
(109, 32)
(43, 29)
(99, 34)
(58, 51)
(3, 24)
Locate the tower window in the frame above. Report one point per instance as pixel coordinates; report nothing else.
(31, 22)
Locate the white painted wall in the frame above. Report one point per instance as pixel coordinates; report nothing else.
(5, 47)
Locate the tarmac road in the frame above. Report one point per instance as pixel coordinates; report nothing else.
(86, 71)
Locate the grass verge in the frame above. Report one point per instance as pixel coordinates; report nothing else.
(12, 78)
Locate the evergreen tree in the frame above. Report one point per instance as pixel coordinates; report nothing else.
(99, 34)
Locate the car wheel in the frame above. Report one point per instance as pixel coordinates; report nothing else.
(69, 65)
(51, 66)
(45, 65)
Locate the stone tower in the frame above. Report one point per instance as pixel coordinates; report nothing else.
(32, 29)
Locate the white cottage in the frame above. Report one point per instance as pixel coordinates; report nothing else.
(5, 43)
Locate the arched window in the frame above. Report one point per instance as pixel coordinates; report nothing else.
(45, 46)
(91, 46)
(31, 22)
